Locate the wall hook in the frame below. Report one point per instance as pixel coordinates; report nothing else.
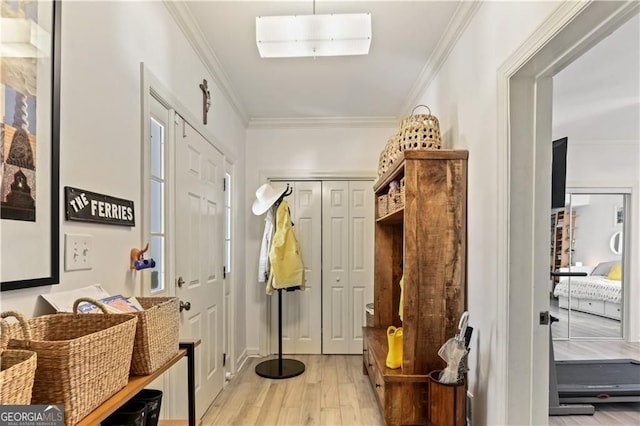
(138, 261)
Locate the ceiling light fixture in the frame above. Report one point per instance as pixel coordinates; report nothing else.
(23, 38)
(313, 35)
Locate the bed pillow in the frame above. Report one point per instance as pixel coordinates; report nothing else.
(615, 273)
(603, 268)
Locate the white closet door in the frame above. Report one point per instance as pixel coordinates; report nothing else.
(347, 229)
(301, 310)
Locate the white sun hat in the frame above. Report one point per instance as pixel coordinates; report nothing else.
(266, 195)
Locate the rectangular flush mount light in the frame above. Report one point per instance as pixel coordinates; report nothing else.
(313, 35)
(23, 38)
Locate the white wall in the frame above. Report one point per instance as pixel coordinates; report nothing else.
(463, 96)
(301, 150)
(103, 44)
(594, 226)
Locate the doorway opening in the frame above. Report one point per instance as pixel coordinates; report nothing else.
(525, 114)
(587, 236)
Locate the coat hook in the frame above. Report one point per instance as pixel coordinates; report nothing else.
(138, 261)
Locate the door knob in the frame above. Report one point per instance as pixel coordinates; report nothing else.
(180, 282)
(185, 306)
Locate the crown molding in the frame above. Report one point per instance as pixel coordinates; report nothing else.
(296, 123)
(297, 174)
(457, 25)
(186, 22)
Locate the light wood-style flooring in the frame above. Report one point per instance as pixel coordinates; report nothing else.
(606, 414)
(331, 391)
(582, 324)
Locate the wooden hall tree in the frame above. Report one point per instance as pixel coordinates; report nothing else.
(426, 241)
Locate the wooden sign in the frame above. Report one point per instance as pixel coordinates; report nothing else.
(87, 206)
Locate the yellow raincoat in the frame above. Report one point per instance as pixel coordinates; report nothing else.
(287, 269)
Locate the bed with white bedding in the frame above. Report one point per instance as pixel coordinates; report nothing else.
(594, 294)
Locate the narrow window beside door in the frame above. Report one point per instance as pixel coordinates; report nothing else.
(156, 204)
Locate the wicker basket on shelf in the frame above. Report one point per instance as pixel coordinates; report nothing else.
(157, 334)
(393, 150)
(383, 205)
(402, 191)
(17, 371)
(420, 131)
(395, 201)
(83, 359)
(382, 162)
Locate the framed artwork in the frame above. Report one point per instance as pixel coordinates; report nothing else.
(618, 215)
(29, 143)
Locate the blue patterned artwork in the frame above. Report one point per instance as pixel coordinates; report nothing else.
(18, 159)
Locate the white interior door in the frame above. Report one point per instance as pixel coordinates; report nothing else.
(301, 310)
(347, 264)
(334, 224)
(199, 256)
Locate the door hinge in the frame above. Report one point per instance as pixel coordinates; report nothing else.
(224, 272)
(224, 184)
(224, 360)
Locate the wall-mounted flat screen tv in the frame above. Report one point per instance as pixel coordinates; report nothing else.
(559, 173)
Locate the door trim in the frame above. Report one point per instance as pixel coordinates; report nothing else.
(572, 29)
(629, 190)
(150, 85)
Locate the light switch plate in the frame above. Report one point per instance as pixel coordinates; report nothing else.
(78, 251)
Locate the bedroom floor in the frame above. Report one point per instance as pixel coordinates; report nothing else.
(583, 324)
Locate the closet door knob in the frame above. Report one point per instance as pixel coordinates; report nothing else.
(185, 306)
(180, 282)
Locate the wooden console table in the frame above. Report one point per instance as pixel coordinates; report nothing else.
(137, 383)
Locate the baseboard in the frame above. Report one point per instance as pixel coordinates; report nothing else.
(241, 360)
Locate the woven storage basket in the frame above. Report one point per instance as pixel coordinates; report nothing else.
(17, 371)
(420, 131)
(157, 334)
(402, 191)
(382, 162)
(393, 150)
(83, 359)
(382, 205)
(395, 200)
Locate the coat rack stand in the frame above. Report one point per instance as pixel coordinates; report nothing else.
(280, 368)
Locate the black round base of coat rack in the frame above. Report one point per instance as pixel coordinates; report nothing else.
(280, 368)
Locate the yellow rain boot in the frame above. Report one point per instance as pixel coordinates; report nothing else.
(394, 338)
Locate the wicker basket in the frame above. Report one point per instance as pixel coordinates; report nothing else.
(17, 371)
(402, 191)
(420, 131)
(395, 200)
(393, 150)
(157, 334)
(82, 359)
(382, 205)
(382, 162)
